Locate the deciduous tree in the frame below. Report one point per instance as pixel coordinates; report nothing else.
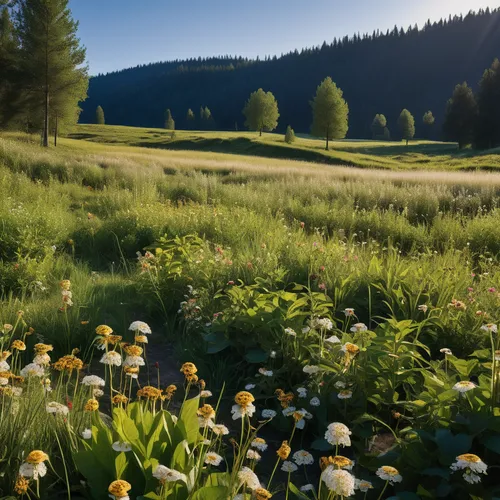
(261, 111)
(406, 124)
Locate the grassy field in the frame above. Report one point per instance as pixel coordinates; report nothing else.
(249, 267)
(372, 154)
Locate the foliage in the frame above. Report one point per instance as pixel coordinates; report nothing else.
(379, 127)
(99, 116)
(289, 135)
(169, 121)
(406, 124)
(488, 98)
(261, 111)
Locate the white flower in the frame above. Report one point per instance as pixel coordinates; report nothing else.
(338, 481)
(320, 324)
(93, 380)
(359, 327)
(315, 401)
(205, 394)
(471, 478)
(272, 355)
(306, 329)
(446, 351)
(260, 444)
(4, 366)
(265, 373)
(133, 361)
(253, 455)
(472, 465)
(344, 394)
(349, 311)
(57, 408)
(288, 411)
(302, 392)
(33, 370)
(163, 473)
(363, 485)
(97, 393)
(288, 466)
(33, 470)
(307, 487)
(464, 386)
(4, 381)
(303, 457)
(247, 476)
(220, 430)
(42, 359)
(268, 414)
(140, 326)
(333, 339)
(490, 328)
(16, 391)
(249, 387)
(112, 358)
(86, 434)
(239, 411)
(212, 458)
(291, 332)
(311, 369)
(423, 308)
(338, 434)
(121, 446)
(339, 384)
(388, 473)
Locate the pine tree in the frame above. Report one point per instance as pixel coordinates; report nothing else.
(330, 112)
(428, 120)
(99, 116)
(8, 64)
(261, 111)
(289, 135)
(52, 59)
(169, 121)
(190, 119)
(488, 101)
(378, 127)
(406, 124)
(461, 116)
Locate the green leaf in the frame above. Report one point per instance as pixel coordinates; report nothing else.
(297, 492)
(451, 446)
(256, 356)
(188, 420)
(492, 443)
(211, 493)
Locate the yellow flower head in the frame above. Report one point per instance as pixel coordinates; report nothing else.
(120, 399)
(350, 348)
(469, 457)
(149, 392)
(244, 398)
(192, 378)
(43, 348)
(37, 457)
(133, 350)
(262, 494)
(131, 370)
(340, 461)
(284, 450)
(202, 384)
(391, 471)
(206, 411)
(104, 330)
(4, 355)
(19, 345)
(91, 405)
(30, 331)
(284, 398)
(21, 486)
(170, 391)
(119, 488)
(189, 369)
(65, 284)
(68, 363)
(141, 339)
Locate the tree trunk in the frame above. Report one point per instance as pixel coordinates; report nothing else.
(406, 142)
(260, 134)
(55, 134)
(327, 134)
(46, 120)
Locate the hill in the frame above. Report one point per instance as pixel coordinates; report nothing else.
(379, 73)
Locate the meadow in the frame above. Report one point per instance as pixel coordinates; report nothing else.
(335, 327)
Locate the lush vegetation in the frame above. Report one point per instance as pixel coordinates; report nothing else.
(333, 296)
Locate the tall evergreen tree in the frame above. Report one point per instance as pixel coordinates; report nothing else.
(190, 119)
(99, 116)
(8, 63)
(330, 112)
(488, 102)
(378, 127)
(461, 116)
(428, 120)
(169, 121)
(261, 111)
(52, 59)
(406, 124)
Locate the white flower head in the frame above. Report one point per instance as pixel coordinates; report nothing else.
(249, 387)
(259, 444)
(205, 394)
(288, 466)
(4, 366)
(247, 476)
(265, 373)
(291, 332)
(253, 455)
(94, 381)
(346, 394)
(140, 326)
(212, 458)
(121, 446)
(133, 361)
(220, 430)
(112, 358)
(87, 434)
(464, 386)
(302, 392)
(490, 328)
(423, 308)
(333, 340)
(311, 369)
(303, 457)
(307, 487)
(446, 351)
(359, 327)
(472, 466)
(315, 401)
(167, 475)
(267, 414)
(33, 370)
(388, 473)
(33, 470)
(338, 434)
(348, 311)
(57, 408)
(288, 411)
(363, 485)
(339, 384)
(338, 481)
(240, 411)
(42, 359)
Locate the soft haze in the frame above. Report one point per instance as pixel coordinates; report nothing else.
(124, 33)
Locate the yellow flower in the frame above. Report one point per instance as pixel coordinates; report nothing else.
(469, 457)
(141, 339)
(104, 330)
(119, 488)
(4, 355)
(284, 450)
(262, 494)
(206, 411)
(284, 399)
(149, 392)
(43, 348)
(131, 370)
(192, 378)
(19, 345)
(68, 363)
(244, 398)
(340, 461)
(170, 391)
(91, 405)
(37, 457)
(133, 350)
(30, 331)
(65, 284)
(120, 399)
(84, 322)
(21, 486)
(189, 369)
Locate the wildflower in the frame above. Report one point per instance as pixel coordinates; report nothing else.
(131, 371)
(315, 401)
(119, 399)
(42, 359)
(36, 457)
(104, 330)
(291, 332)
(333, 340)
(288, 411)
(262, 494)
(268, 414)
(302, 392)
(446, 351)
(338, 481)
(288, 466)
(341, 462)
(284, 398)
(112, 358)
(284, 450)
(68, 363)
(265, 373)
(21, 486)
(33, 470)
(206, 414)
(464, 386)
(497, 355)
(133, 361)
(253, 455)
(490, 328)
(19, 345)
(249, 387)
(57, 408)
(212, 458)
(220, 430)
(388, 473)
(43, 348)
(32, 370)
(359, 327)
(311, 369)
(350, 349)
(423, 308)
(272, 355)
(188, 369)
(91, 405)
(363, 485)
(472, 465)
(303, 457)
(140, 326)
(339, 384)
(65, 284)
(86, 434)
(149, 392)
(119, 489)
(121, 446)
(349, 311)
(338, 434)
(166, 475)
(346, 394)
(259, 443)
(247, 476)
(205, 394)
(170, 391)
(457, 304)
(93, 380)
(243, 405)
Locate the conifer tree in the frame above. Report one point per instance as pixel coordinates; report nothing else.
(428, 120)
(99, 116)
(8, 63)
(190, 119)
(330, 112)
(488, 102)
(406, 124)
(289, 135)
(461, 116)
(52, 59)
(261, 111)
(169, 121)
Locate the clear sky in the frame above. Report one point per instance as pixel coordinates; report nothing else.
(123, 33)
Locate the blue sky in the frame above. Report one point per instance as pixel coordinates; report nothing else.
(123, 33)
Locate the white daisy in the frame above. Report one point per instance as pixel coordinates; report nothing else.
(388, 473)
(140, 326)
(303, 457)
(338, 434)
(165, 474)
(93, 380)
(212, 458)
(121, 446)
(288, 466)
(112, 358)
(266, 414)
(86, 434)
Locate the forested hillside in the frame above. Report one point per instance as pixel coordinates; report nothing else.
(416, 68)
